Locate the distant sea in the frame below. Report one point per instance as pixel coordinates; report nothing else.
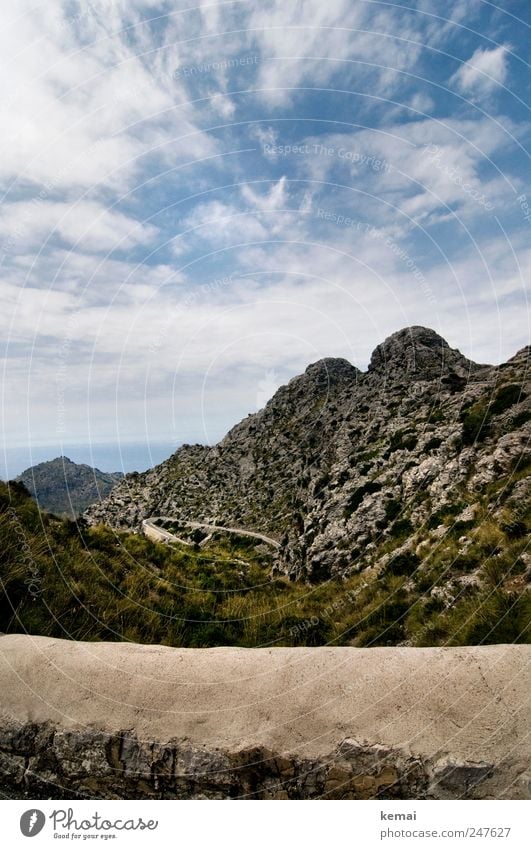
(108, 457)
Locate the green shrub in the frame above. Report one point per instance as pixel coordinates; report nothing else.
(402, 527)
(514, 528)
(436, 415)
(498, 618)
(476, 423)
(447, 512)
(403, 564)
(521, 418)
(97, 584)
(506, 397)
(321, 483)
(392, 509)
(401, 439)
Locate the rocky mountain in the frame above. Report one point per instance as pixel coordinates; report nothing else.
(66, 488)
(352, 471)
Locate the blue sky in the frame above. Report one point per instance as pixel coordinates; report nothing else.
(200, 199)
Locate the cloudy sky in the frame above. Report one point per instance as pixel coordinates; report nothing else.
(201, 198)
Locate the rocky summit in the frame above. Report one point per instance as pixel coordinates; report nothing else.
(354, 470)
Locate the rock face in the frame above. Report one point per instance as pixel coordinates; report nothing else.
(340, 463)
(65, 488)
(104, 720)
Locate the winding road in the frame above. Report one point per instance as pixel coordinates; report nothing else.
(154, 532)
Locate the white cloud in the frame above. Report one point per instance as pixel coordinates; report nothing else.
(271, 201)
(419, 167)
(326, 40)
(257, 218)
(87, 225)
(264, 135)
(218, 223)
(223, 105)
(421, 102)
(96, 99)
(485, 71)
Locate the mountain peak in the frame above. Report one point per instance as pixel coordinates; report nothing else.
(418, 351)
(332, 370)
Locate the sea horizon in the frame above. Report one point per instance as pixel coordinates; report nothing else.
(105, 456)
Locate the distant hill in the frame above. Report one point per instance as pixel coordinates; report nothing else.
(66, 488)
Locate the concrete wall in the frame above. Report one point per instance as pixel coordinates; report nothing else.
(124, 720)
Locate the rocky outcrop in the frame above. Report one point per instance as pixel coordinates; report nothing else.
(103, 720)
(340, 464)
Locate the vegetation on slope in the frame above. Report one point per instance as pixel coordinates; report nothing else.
(59, 578)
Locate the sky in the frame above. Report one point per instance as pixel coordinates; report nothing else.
(201, 198)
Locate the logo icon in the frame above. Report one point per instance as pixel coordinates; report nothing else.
(32, 822)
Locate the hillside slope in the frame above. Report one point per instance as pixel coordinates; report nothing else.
(351, 470)
(59, 578)
(65, 488)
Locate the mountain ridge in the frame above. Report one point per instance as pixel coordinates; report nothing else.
(348, 468)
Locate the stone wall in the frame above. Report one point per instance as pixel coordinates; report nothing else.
(103, 720)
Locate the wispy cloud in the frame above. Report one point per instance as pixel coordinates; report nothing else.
(195, 197)
(485, 71)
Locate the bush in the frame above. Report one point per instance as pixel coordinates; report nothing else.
(521, 418)
(498, 618)
(476, 423)
(403, 564)
(97, 584)
(402, 527)
(392, 509)
(447, 512)
(506, 397)
(514, 529)
(432, 444)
